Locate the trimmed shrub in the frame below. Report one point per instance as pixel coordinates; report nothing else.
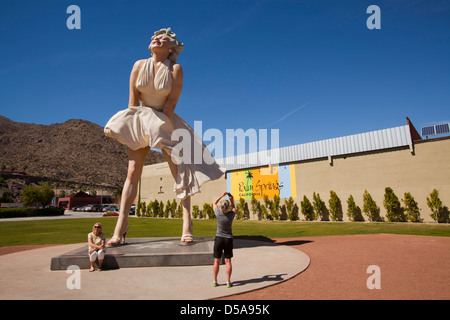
(320, 209)
(353, 211)
(435, 204)
(28, 212)
(370, 207)
(336, 213)
(394, 211)
(307, 209)
(196, 212)
(411, 208)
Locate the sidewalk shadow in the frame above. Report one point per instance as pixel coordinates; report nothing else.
(266, 278)
(259, 241)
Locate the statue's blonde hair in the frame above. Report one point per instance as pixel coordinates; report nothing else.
(176, 44)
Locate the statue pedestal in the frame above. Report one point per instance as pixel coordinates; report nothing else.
(143, 252)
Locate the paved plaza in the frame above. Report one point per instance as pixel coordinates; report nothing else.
(256, 264)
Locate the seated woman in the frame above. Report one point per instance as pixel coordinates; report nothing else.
(96, 240)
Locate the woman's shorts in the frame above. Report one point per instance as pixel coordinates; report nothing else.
(223, 245)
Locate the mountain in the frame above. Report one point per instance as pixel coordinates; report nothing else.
(76, 151)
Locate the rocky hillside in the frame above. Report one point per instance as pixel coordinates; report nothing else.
(75, 151)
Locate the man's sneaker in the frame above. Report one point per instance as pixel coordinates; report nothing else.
(229, 284)
(214, 284)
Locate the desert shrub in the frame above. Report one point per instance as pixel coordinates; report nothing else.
(266, 208)
(307, 209)
(335, 205)
(196, 212)
(256, 208)
(353, 211)
(411, 208)
(319, 207)
(435, 204)
(208, 211)
(394, 211)
(370, 207)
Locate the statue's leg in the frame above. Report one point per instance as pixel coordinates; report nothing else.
(136, 160)
(187, 232)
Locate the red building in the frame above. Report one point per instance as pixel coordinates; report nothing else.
(78, 199)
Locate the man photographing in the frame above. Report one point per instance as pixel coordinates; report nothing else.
(223, 242)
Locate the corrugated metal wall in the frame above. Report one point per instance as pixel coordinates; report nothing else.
(363, 142)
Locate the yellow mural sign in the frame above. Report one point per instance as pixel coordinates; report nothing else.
(270, 181)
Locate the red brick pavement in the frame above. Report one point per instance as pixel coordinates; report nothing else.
(411, 267)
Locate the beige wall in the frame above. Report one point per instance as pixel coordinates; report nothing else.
(418, 173)
(157, 183)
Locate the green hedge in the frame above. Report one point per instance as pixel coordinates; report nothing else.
(28, 212)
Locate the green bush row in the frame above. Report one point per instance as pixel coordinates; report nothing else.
(29, 212)
(272, 209)
(395, 212)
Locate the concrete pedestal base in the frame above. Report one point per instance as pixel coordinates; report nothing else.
(143, 252)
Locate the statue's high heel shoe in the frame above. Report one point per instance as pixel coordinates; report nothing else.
(116, 240)
(124, 236)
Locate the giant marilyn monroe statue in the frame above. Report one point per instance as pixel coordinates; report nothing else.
(149, 121)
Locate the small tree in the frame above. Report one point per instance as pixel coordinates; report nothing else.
(267, 208)
(289, 203)
(264, 213)
(208, 211)
(275, 207)
(435, 204)
(411, 208)
(283, 214)
(246, 212)
(240, 209)
(320, 210)
(167, 209)
(336, 213)
(370, 207)
(31, 196)
(42, 195)
(47, 194)
(195, 211)
(161, 209)
(154, 208)
(256, 207)
(307, 209)
(179, 211)
(173, 208)
(353, 211)
(294, 216)
(138, 209)
(6, 197)
(394, 211)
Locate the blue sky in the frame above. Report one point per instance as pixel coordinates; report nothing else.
(311, 69)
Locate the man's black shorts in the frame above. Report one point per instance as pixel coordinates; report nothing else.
(224, 245)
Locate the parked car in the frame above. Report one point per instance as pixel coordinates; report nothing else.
(97, 207)
(111, 208)
(88, 207)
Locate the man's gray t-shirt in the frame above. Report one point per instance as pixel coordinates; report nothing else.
(224, 222)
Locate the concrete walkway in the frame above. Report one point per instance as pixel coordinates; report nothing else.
(256, 264)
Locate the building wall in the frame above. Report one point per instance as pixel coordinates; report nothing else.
(427, 168)
(418, 173)
(157, 183)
